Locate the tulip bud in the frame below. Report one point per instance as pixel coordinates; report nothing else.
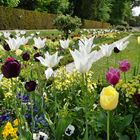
(26, 56)
(37, 55)
(11, 68)
(139, 40)
(113, 76)
(109, 98)
(116, 50)
(137, 99)
(30, 86)
(124, 65)
(6, 47)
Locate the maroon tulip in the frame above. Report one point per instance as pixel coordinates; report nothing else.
(6, 47)
(26, 56)
(113, 76)
(30, 86)
(137, 99)
(11, 68)
(37, 55)
(124, 65)
(116, 50)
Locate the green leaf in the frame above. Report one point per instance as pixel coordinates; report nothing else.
(122, 122)
(122, 137)
(137, 132)
(61, 127)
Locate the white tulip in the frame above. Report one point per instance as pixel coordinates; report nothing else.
(49, 73)
(106, 49)
(50, 60)
(1, 76)
(64, 43)
(86, 43)
(13, 43)
(39, 43)
(121, 45)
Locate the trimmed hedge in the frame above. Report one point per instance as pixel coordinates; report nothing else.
(23, 19)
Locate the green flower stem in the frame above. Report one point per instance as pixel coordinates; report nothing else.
(108, 121)
(86, 104)
(107, 63)
(124, 77)
(115, 60)
(32, 113)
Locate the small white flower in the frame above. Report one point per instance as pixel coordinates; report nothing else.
(1, 76)
(23, 32)
(64, 43)
(42, 136)
(44, 94)
(49, 73)
(69, 130)
(6, 34)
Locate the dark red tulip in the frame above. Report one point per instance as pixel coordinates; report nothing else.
(137, 99)
(26, 56)
(113, 76)
(116, 50)
(37, 55)
(6, 47)
(11, 68)
(30, 86)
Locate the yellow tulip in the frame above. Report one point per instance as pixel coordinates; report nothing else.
(138, 39)
(109, 98)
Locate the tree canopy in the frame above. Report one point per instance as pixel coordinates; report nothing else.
(113, 11)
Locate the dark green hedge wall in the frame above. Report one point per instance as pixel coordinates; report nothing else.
(24, 19)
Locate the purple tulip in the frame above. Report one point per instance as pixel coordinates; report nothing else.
(113, 76)
(26, 56)
(30, 86)
(124, 65)
(11, 68)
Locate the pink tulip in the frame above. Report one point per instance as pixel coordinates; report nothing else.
(124, 65)
(113, 76)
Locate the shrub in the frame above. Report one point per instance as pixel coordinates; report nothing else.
(120, 28)
(67, 23)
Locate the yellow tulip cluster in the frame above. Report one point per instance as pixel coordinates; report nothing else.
(10, 131)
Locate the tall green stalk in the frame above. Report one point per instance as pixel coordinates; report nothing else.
(86, 104)
(108, 124)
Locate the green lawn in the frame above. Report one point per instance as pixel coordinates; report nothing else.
(131, 53)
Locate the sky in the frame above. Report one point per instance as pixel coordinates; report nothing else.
(136, 11)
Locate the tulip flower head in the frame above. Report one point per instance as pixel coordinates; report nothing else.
(113, 76)
(124, 65)
(39, 43)
(138, 39)
(106, 49)
(11, 68)
(50, 61)
(109, 98)
(86, 43)
(30, 86)
(26, 56)
(64, 43)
